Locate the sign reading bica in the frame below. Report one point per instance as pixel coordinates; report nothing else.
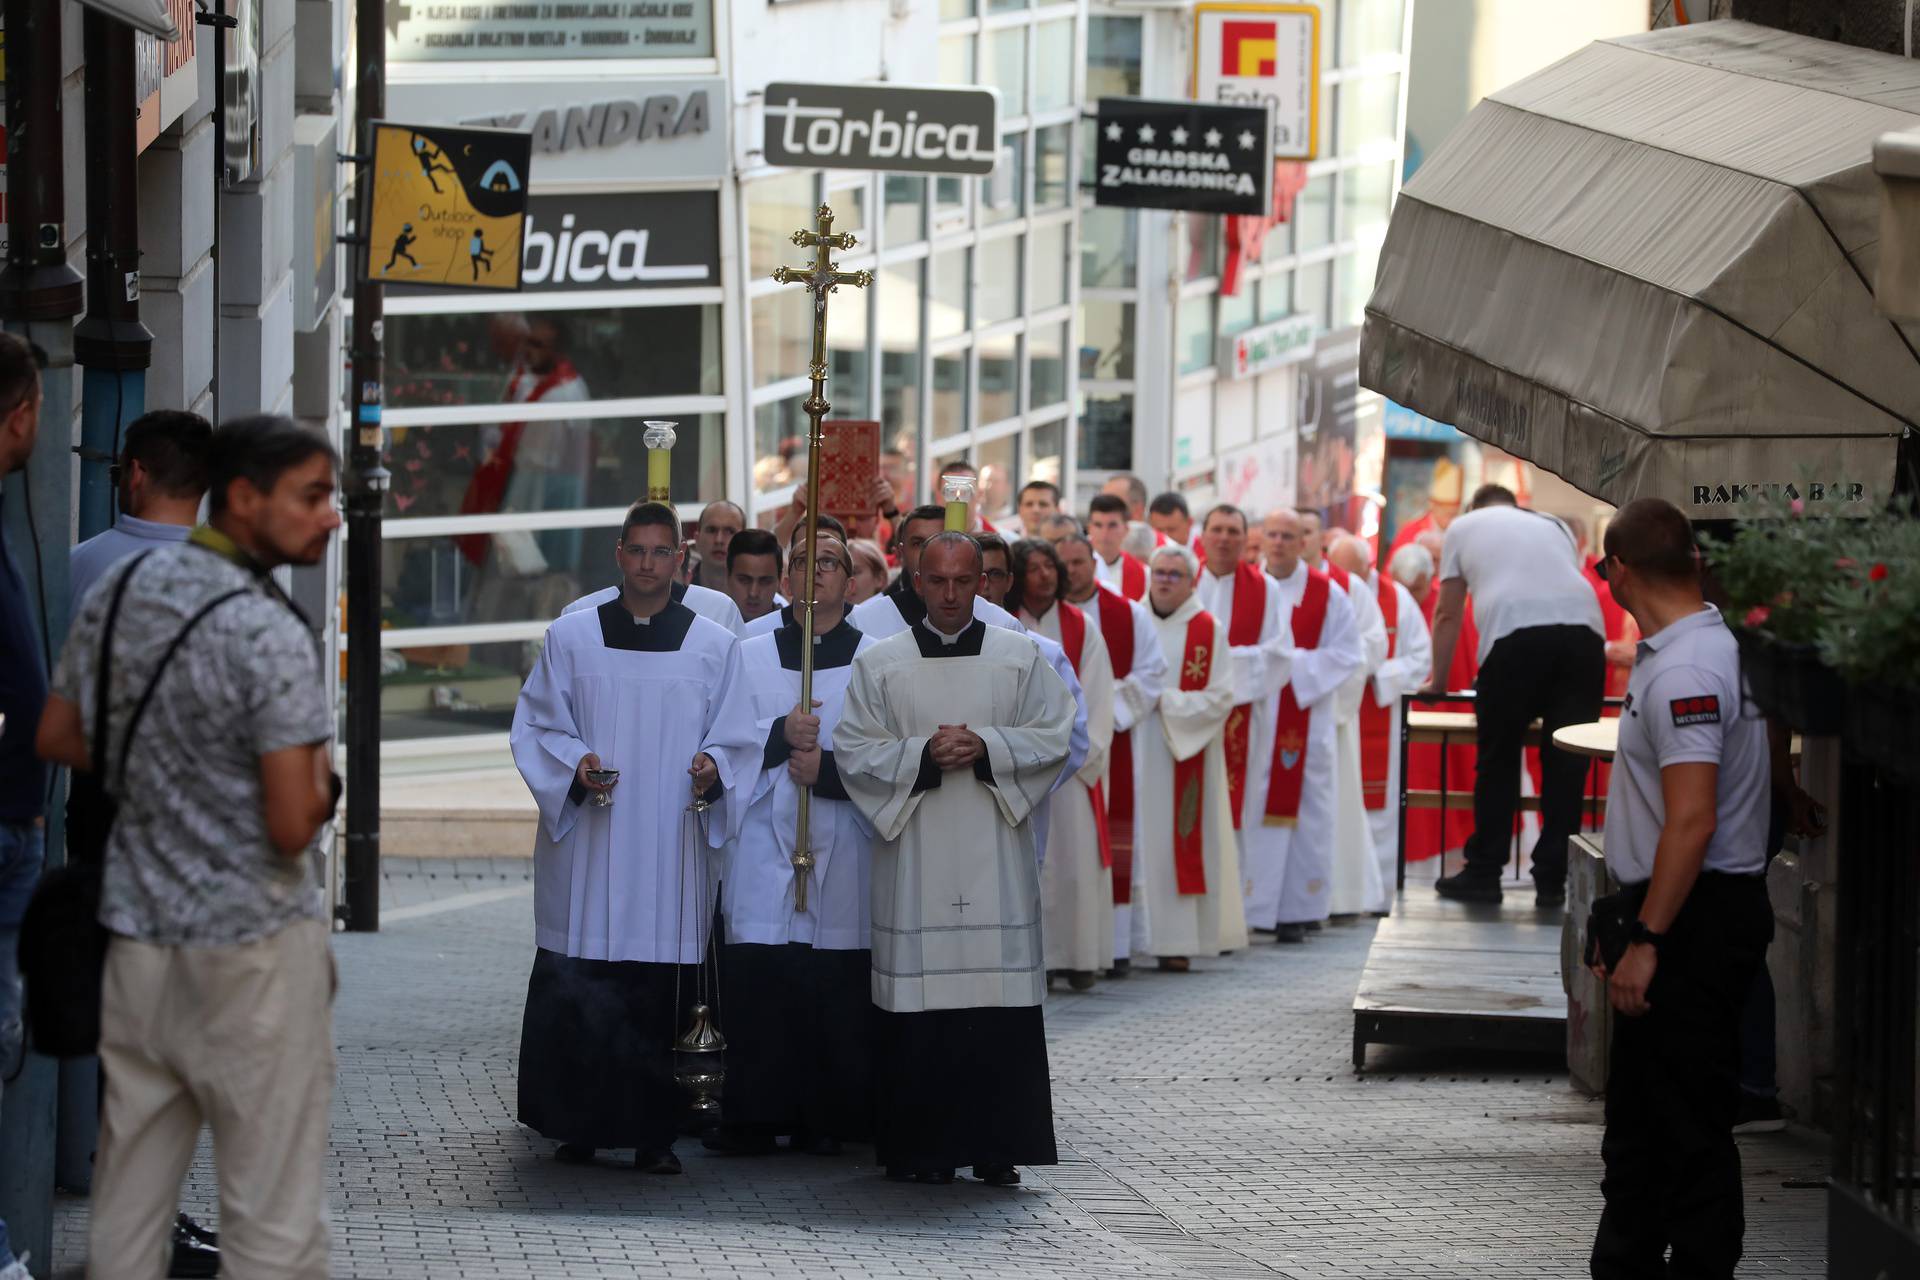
(1263, 55)
(1183, 155)
(1268, 346)
(892, 128)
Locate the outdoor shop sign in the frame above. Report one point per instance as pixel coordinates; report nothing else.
(514, 30)
(1154, 154)
(1263, 54)
(447, 206)
(590, 130)
(890, 128)
(1252, 352)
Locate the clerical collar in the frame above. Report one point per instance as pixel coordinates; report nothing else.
(664, 632)
(935, 644)
(834, 649)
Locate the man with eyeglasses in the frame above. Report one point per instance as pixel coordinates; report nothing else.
(799, 1002)
(716, 606)
(629, 706)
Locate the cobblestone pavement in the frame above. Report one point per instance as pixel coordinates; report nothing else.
(1210, 1125)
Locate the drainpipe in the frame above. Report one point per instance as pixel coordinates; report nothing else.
(39, 296)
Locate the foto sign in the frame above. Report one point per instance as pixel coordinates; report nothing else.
(1152, 154)
(447, 206)
(891, 128)
(1269, 346)
(1263, 55)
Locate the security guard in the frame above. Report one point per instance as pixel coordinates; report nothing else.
(1686, 832)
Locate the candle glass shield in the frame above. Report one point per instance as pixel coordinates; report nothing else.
(659, 437)
(957, 492)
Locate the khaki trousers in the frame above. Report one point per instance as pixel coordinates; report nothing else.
(240, 1037)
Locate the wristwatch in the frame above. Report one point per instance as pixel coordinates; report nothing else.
(1640, 933)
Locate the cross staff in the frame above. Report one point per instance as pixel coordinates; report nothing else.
(820, 279)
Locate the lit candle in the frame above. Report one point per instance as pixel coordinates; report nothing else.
(957, 490)
(659, 438)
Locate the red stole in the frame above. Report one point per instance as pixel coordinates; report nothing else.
(1291, 726)
(1190, 775)
(1341, 578)
(1376, 721)
(1073, 638)
(487, 487)
(1133, 577)
(1249, 612)
(1116, 626)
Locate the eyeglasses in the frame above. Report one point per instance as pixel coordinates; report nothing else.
(997, 575)
(828, 564)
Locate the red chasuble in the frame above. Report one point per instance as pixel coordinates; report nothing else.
(1249, 611)
(1116, 626)
(1376, 721)
(1073, 638)
(1292, 724)
(1190, 775)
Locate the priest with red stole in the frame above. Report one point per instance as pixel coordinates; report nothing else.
(1245, 601)
(1139, 673)
(1323, 649)
(1114, 567)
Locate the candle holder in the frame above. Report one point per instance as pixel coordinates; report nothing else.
(659, 438)
(957, 492)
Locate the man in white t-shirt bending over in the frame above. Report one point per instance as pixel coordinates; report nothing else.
(1542, 657)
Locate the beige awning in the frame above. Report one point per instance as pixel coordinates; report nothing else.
(1648, 270)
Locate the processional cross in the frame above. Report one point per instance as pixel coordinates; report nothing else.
(820, 279)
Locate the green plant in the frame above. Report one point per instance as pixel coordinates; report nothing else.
(1773, 570)
(1870, 612)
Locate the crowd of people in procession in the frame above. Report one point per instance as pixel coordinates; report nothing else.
(1150, 738)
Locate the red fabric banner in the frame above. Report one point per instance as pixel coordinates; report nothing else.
(1249, 612)
(1292, 725)
(1376, 721)
(1190, 775)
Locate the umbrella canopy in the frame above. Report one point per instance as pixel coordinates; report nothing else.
(1648, 270)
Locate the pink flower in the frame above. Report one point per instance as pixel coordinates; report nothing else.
(1846, 562)
(1797, 507)
(1756, 616)
(1877, 574)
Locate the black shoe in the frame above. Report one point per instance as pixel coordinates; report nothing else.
(1469, 886)
(1257, 930)
(573, 1153)
(937, 1177)
(195, 1250)
(997, 1175)
(662, 1161)
(1080, 979)
(1758, 1114)
(1290, 933)
(1549, 897)
(1121, 968)
(738, 1142)
(1315, 926)
(1344, 918)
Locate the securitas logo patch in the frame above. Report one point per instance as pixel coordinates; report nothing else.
(1701, 710)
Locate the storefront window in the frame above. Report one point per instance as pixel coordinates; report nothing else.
(1047, 447)
(906, 200)
(1236, 310)
(999, 377)
(1203, 246)
(1003, 192)
(776, 208)
(998, 274)
(1053, 65)
(1106, 432)
(779, 444)
(590, 354)
(1369, 111)
(848, 361)
(1366, 194)
(782, 335)
(453, 690)
(1279, 241)
(1371, 27)
(1313, 215)
(1006, 68)
(1276, 295)
(1113, 58)
(1310, 286)
(950, 394)
(956, 59)
(1005, 6)
(1195, 334)
(1109, 249)
(1050, 175)
(949, 205)
(1106, 340)
(1000, 479)
(951, 10)
(849, 205)
(948, 290)
(1047, 252)
(899, 334)
(1047, 364)
(1353, 285)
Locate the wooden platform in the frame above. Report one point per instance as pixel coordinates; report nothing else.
(1463, 975)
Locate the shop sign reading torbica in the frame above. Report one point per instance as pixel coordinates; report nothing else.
(890, 128)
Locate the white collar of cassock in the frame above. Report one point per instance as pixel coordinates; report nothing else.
(944, 637)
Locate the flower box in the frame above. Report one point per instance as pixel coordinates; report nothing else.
(1883, 726)
(1791, 684)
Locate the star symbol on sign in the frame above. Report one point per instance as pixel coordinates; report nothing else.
(1246, 139)
(1113, 133)
(1212, 136)
(1146, 133)
(1179, 137)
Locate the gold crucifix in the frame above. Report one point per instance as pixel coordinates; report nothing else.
(821, 279)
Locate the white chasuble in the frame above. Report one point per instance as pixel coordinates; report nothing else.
(758, 900)
(1301, 890)
(716, 606)
(956, 881)
(1185, 723)
(1076, 877)
(1398, 676)
(628, 881)
(1356, 873)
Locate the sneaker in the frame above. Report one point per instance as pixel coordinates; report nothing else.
(1758, 1114)
(1469, 886)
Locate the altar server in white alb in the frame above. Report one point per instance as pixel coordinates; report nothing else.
(785, 615)
(1409, 659)
(951, 734)
(705, 602)
(1076, 878)
(900, 607)
(799, 1009)
(1356, 872)
(1186, 857)
(1246, 602)
(639, 685)
(1324, 651)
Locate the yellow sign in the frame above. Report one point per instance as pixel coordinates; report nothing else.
(448, 206)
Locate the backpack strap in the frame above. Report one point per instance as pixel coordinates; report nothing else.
(140, 708)
(102, 677)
